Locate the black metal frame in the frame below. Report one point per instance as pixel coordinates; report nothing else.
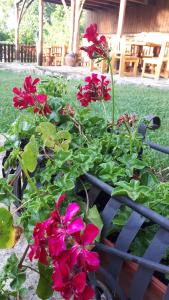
(150, 262)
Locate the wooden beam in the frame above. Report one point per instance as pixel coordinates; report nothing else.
(142, 2)
(122, 11)
(40, 42)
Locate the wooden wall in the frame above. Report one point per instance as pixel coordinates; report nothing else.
(151, 18)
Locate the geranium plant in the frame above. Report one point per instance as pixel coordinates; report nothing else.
(48, 148)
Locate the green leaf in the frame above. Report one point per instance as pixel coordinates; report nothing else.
(9, 234)
(52, 139)
(110, 172)
(94, 217)
(133, 189)
(149, 179)
(6, 192)
(44, 289)
(17, 282)
(62, 140)
(30, 155)
(48, 132)
(3, 297)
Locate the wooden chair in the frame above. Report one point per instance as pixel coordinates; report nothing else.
(124, 59)
(155, 67)
(58, 53)
(125, 65)
(47, 57)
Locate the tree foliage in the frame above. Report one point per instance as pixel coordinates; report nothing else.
(55, 31)
(6, 10)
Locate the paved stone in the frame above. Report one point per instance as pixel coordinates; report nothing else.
(80, 73)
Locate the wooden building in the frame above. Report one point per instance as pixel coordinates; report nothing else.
(148, 16)
(113, 17)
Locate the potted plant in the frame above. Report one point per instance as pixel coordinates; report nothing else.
(49, 147)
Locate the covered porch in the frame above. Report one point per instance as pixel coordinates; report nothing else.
(137, 31)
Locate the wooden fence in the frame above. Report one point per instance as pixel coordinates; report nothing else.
(27, 53)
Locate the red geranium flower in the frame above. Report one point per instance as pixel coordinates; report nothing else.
(80, 251)
(67, 110)
(126, 118)
(59, 240)
(70, 282)
(99, 48)
(95, 89)
(91, 33)
(30, 85)
(29, 97)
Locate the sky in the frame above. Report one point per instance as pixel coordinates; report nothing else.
(11, 19)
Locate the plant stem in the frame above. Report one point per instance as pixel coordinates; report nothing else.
(22, 205)
(112, 91)
(23, 257)
(104, 108)
(130, 136)
(28, 267)
(12, 195)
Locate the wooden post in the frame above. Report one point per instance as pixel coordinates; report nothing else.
(72, 25)
(77, 27)
(17, 48)
(122, 11)
(40, 42)
(78, 11)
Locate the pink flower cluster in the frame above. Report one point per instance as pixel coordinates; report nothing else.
(28, 96)
(68, 110)
(95, 89)
(99, 47)
(128, 119)
(66, 242)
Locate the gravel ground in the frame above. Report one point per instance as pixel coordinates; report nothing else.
(32, 277)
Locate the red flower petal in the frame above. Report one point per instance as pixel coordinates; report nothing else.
(60, 200)
(71, 211)
(36, 80)
(43, 256)
(75, 226)
(41, 98)
(89, 234)
(92, 259)
(16, 91)
(91, 33)
(56, 246)
(88, 293)
(79, 282)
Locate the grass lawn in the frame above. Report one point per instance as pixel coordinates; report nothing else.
(129, 98)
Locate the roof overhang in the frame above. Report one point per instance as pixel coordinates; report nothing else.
(96, 4)
(100, 4)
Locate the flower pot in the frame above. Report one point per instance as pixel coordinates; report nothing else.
(155, 291)
(70, 59)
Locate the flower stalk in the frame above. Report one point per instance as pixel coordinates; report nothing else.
(112, 93)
